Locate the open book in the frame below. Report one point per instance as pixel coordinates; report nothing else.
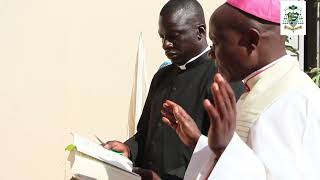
(89, 160)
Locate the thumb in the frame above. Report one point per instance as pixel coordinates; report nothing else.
(111, 145)
(107, 146)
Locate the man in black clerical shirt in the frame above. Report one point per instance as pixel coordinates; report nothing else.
(156, 148)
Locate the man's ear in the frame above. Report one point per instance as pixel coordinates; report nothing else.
(253, 38)
(201, 31)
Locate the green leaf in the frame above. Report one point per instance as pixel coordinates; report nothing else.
(316, 79)
(315, 70)
(292, 49)
(286, 38)
(70, 147)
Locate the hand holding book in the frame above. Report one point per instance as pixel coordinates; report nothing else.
(116, 146)
(90, 159)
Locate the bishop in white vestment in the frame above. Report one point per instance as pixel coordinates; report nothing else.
(277, 130)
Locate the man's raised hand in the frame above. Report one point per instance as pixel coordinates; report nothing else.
(177, 118)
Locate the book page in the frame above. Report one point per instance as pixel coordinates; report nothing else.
(97, 151)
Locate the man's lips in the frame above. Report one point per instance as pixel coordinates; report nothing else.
(170, 54)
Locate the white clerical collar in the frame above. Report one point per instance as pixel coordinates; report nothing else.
(251, 80)
(183, 67)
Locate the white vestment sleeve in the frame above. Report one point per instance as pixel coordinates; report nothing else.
(238, 161)
(286, 136)
(200, 156)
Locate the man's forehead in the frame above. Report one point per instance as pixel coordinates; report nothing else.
(176, 23)
(222, 20)
(180, 17)
(213, 25)
(219, 16)
(217, 32)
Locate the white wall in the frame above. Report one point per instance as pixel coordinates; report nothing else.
(67, 66)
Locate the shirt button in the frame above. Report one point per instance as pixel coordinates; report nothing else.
(174, 88)
(159, 124)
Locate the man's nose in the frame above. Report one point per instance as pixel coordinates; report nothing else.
(166, 44)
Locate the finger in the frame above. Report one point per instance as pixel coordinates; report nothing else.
(212, 112)
(169, 123)
(167, 115)
(167, 107)
(228, 88)
(106, 145)
(223, 89)
(178, 115)
(178, 112)
(110, 144)
(183, 119)
(182, 116)
(171, 105)
(116, 145)
(218, 99)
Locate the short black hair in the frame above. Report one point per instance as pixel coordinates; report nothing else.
(193, 7)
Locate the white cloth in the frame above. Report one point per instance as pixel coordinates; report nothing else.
(283, 142)
(139, 90)
(226, 168)
(183, 67)
(265, 86)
